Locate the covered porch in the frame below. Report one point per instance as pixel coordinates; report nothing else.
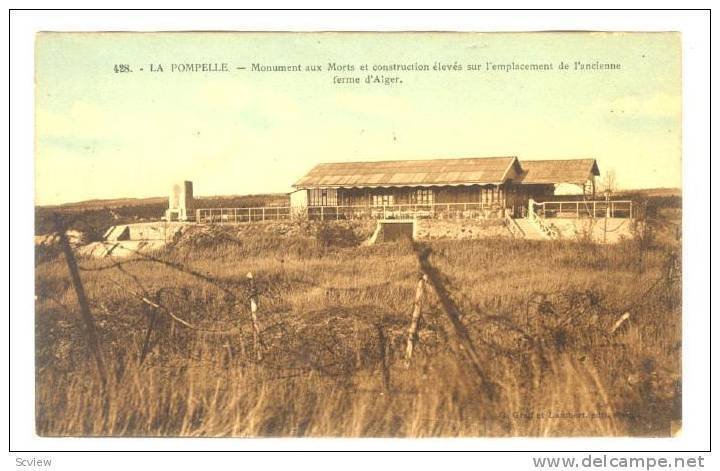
(486, 195)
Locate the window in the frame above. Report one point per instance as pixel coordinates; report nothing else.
(385, 199)
(424, 196)
(322, 197)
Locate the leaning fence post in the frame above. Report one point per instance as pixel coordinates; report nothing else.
(464, 342)
(620, 322)
(82, 299)
(253, 313)
(417, 311)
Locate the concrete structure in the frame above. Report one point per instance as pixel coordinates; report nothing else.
(299, 203)
(127, 240)
(181, 203)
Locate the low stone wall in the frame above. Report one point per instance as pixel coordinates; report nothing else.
(330, 233)
(461, 228)
(156, 230)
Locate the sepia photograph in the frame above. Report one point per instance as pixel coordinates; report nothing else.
(366, 234)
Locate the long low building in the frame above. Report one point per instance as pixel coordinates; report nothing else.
(485, 182)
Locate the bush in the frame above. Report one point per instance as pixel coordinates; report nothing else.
(336, 235)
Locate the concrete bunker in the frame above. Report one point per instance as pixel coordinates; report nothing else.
(391, 230)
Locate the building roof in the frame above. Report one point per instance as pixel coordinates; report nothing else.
(467, 171)
(444, 172)
(558, 171)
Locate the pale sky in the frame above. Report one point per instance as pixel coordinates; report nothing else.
(101, 134)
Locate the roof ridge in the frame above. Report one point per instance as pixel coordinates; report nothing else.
(559, 160)
(418, 160)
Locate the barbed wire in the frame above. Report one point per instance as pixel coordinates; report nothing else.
(455, 303)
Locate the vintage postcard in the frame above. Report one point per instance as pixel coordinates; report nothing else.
(358, 234)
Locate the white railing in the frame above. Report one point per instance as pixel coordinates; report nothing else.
(513, 227)
(591, 209)
(270, 213)
(349, 212)
(548, 229)
(403, 211)
(547, 209)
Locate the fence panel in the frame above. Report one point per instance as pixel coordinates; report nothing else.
(585, 209)
(577, 209)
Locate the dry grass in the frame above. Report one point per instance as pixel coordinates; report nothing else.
(334, 324)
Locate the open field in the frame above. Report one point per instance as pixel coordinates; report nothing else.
(333, 322)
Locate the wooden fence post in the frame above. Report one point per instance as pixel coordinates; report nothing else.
(450, 309)
(82, 299)
(383, 352)
(417, 311)
(620, 322)
(253, 313)
(152, 316)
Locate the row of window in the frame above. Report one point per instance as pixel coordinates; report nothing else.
(329, 197)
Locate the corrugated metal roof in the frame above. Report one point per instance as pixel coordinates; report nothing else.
(558, 171)
(467, 171)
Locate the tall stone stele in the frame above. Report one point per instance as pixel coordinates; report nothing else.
(181, 204)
